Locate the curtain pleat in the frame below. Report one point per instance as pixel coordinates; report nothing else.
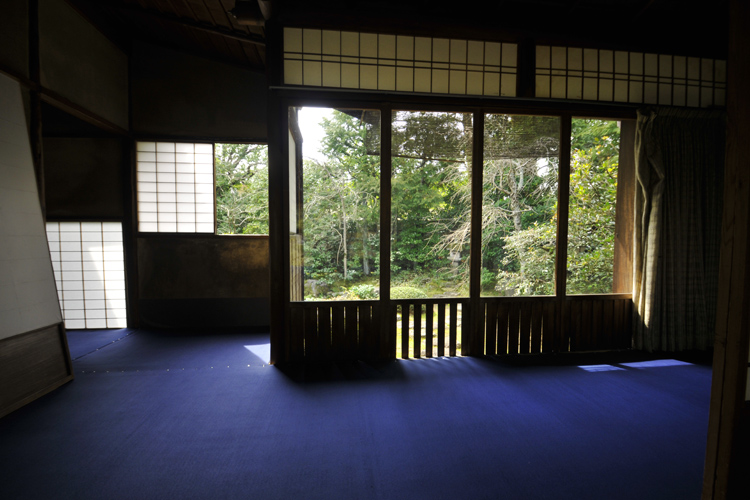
(679, 187)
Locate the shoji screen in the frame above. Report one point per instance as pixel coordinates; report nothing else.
(372, 61)
(634, 77)
(175, 187)
(88, 261)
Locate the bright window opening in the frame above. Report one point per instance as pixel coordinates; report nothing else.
(339, 202)
(430, 204)
(519, 205)
(594, 158)
(241, 188)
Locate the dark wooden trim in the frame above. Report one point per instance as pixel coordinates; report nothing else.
(53, 98)
(278, 222)
(526, 81)
(472, 344)
(35, 106)
(563, 199)
(197, 139)
(130, 236)
(328, 97)
(65, 104)
(18, 77)
(386, 177)
(599, 296)
(733, 301)
(29, 373)
(186, 236)
(189, 23)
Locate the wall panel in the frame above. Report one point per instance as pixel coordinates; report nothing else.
(83, 178)
(204, 280)
(34, 358)
(80, 64)
(28, 299)
(180, 95)
(31, 365)
(14, 37)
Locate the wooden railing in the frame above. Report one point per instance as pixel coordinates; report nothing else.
(531, 325)
(598, 322)
(416, 328)
(342, 330)
(520, 325)
(426, 327)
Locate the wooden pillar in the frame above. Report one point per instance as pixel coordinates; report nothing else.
(472, 342)
(561, 251)
(35, 104)
(720, 481)
(387, 330)
(278, 189)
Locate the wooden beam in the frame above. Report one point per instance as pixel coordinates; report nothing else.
(733, 302)
(65, 104)
(192, 24)
(35, 105)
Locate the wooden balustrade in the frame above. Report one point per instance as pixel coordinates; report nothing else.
(347, 330)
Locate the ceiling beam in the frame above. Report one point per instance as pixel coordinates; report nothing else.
(192, 24)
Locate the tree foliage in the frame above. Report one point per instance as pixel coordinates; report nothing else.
(242, 188)
(431, 203)
(591, 222)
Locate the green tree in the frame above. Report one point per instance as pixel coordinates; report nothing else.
(241, 188)
(341, 198)
(591, 220)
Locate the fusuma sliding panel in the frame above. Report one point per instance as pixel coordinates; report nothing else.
(634, 77)
(175, 187)
(398, 63)
(88, 261)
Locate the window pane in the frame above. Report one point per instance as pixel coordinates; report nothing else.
(519, 204)
(340, 214)
(430, 203)
(594, 160)
(241, 188)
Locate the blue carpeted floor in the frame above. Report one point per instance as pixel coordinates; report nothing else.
(155, 415)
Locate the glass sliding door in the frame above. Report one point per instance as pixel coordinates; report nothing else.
(594, 159)
(431, 204)
(519, 205)
(337, 233)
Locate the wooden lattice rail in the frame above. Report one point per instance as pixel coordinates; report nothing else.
(415, 328)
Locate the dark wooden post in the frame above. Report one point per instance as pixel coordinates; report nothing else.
(387, 317)
(722, 476)
(472, 344)
(561, 253)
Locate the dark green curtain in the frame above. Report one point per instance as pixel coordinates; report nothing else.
(678, 202)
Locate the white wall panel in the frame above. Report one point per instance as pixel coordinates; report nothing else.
(28, 298)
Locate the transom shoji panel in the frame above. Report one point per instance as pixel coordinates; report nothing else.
(634, 77)
(371, 61)
(89, 266)
(175, 183)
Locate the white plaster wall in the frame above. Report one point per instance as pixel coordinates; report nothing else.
(28, 297)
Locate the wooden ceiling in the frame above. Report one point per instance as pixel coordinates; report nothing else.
(208, 28)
